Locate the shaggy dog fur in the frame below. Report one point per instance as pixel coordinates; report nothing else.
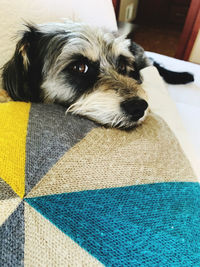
(95, 73)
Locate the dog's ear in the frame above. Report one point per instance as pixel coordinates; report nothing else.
(19, 75)
(140, 62)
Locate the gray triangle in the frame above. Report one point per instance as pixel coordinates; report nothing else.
(12, 239)
(51, 133)
(6, 191)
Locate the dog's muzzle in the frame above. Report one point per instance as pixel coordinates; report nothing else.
(134, 107)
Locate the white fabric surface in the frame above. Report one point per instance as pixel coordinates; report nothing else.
(14, 13)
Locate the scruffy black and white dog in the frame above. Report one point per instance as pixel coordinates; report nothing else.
(93, 72)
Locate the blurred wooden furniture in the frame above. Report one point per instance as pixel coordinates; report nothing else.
(190, 31)
(162, 11)
(116, 4)
(178, 11)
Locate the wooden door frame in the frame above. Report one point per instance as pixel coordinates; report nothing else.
(116, 4)
(190, 31)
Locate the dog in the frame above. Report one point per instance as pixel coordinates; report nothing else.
(93, 72)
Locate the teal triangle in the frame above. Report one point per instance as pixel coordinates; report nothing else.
(144, 225)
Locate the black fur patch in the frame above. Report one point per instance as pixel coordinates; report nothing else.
(23, 83)
(141, 61)
(174, 77)
(82, 82)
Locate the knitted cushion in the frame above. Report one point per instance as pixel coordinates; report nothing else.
(76, 194)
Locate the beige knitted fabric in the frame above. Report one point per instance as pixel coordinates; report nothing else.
(112, 158)
(7, 206)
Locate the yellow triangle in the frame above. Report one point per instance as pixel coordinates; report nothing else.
(13, 130)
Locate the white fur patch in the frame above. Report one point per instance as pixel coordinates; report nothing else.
(57, 89)
(104, 108)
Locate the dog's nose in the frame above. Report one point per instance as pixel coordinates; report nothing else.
(135, 107)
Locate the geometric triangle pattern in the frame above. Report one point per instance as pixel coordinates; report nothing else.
(43, 146)
(76, 194)
(52, 247)
(7, 207)
(13, 130)
(124, 226)
(112, 158)
(6, 191)
(12, 239)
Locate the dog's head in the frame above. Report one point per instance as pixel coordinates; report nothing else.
(90, 70)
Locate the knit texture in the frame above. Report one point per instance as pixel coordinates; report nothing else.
(51, 134)
(76, 194)
(125, 226)
(13, 129)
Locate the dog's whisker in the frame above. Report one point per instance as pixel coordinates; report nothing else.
(70, 108)
(117, 120)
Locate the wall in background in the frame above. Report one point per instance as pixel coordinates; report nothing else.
(195, 53)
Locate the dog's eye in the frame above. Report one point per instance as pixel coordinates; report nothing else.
(80, 67)
(122, 68)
